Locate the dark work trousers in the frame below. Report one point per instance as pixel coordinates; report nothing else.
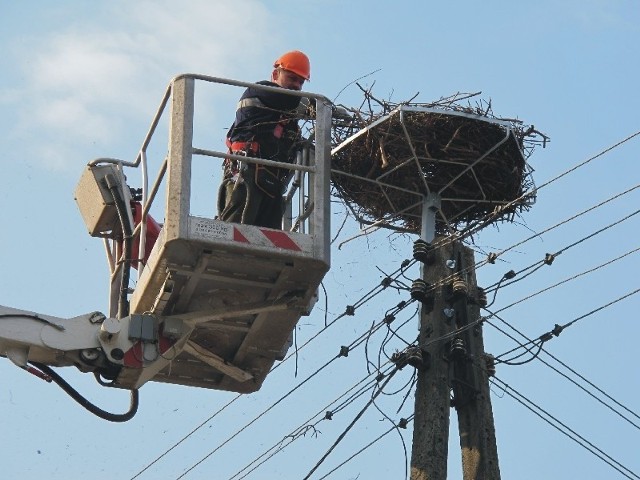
(246, 203)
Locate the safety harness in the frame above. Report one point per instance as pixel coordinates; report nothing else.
(270, 180)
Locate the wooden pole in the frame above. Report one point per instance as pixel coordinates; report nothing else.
(431, 417)
(452, 363)
(472, 398)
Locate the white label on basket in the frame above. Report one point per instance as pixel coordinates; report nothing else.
(205, 228)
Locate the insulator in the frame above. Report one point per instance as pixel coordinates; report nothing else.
(460, 287)
(414, 357)
(490, 364)
(423, 252)
(419, 290)
(482, 297)
(458, 348)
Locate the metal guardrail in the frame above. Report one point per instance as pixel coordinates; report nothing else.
(179, 96)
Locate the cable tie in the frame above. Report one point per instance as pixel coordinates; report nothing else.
(328, 415)
(491, 258)
(405, 263)
(557, 330)
(350, 310)
(403, 423)
(344, 351)
(549, 258)
(386, 282)
(402, 304)
(509, 275)
(380, 376)
(546, 337)
(389, 318)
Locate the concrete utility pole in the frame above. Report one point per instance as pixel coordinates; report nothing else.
(451, 300)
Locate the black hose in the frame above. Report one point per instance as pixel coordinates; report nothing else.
(112, 417)
(127, 232)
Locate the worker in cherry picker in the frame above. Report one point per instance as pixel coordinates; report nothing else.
(265, 126)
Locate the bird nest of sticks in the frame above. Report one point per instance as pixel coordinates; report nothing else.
(388, 158)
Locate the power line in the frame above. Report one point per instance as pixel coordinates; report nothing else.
(328, 415)
(590, 159)
(574, 277)
(353, 422)
(344, 351)
(491, 258)
(480, 224)
(566, 430)
(405, 422)
(494, 256)
(536, 356)
(349, 310)
(185, 437)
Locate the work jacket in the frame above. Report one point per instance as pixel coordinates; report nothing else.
(265, 124)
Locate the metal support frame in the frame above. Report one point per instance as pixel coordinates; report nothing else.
(385, 187)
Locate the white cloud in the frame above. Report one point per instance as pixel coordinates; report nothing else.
(84, 84)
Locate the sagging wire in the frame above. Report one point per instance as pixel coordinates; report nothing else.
(393, 282)
(391, 333)
(389, 317)
(558, 329)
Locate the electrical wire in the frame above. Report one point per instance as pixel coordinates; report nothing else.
(328, 414)
(494, 256)
(350, 310)
(185, 437)
(574, 277)
(591, 384)
(371, 443)
(353, 422)
(479, 320)
(470, 230)
(566, 430)
(344, 351)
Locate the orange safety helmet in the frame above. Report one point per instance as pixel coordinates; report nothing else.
(295, 61)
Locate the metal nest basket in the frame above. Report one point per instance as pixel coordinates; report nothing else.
(385, 164)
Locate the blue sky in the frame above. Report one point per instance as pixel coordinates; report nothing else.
(82, 80)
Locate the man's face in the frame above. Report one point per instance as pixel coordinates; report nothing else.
(287, 79)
